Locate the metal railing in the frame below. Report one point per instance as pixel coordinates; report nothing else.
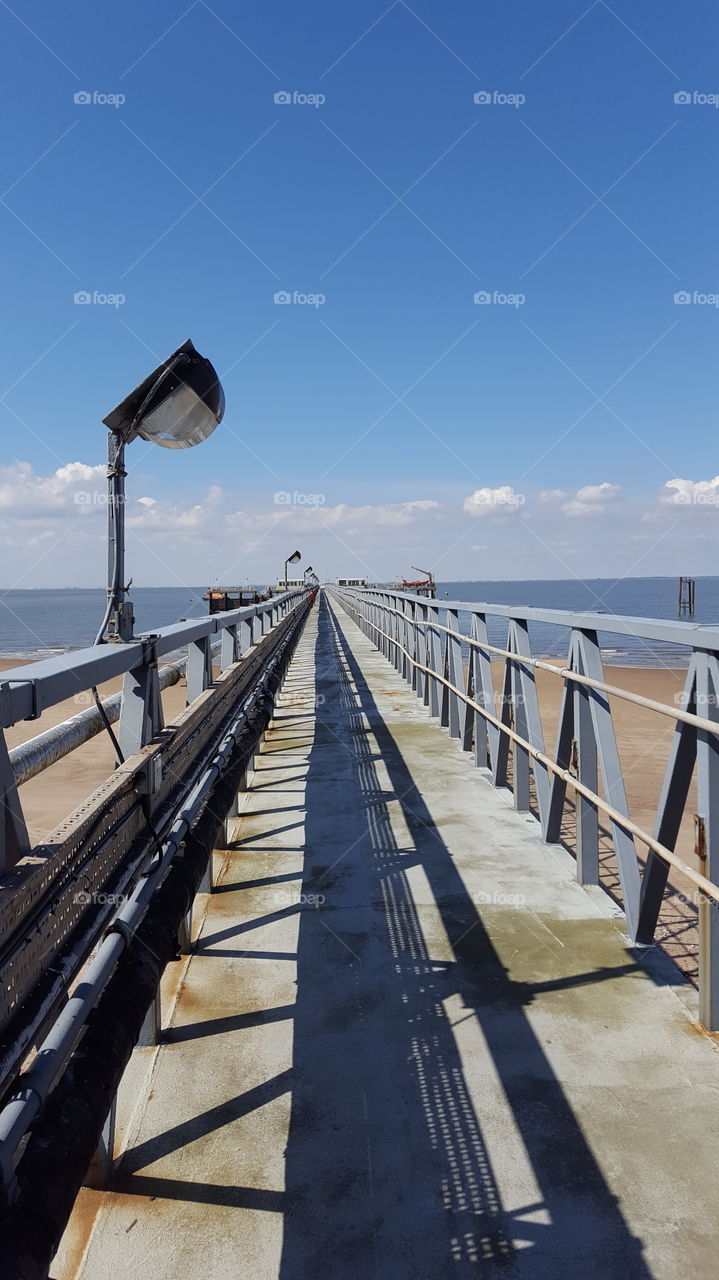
(427, 641)
(89, 883)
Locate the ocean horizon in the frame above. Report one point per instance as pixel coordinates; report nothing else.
(38, 622)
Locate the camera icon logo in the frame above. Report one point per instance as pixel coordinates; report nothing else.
(682, 298)
(283, 499)
(482, 98)
(482, 298)
(283, 97)
(82, 98)
(282, 297)
(82, 298)
(682, 98)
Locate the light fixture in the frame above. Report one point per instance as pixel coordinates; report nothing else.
(177, 406)
(291, 560)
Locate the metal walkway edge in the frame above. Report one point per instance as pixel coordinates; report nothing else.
(407, 1045)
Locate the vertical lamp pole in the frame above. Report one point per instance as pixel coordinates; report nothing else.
(291, 560)
(177, 406)
(121, 621)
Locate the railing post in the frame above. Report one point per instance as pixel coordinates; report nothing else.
(394, 630)
(587, 816)
(707, 842)
(520, 780)
(199, 667)
(405, 662)
(229, 647)
(434, 662)
(14, 839)
(455, 673)
(562, 752)
(247, 638)
(223, 837)
(151, 1029)
(103, 1162)
(480, 680)
(610, 764)
(501, 760)
(420, 649)
(527, 718)
(672, 803)
(207, 883)
(141, 717)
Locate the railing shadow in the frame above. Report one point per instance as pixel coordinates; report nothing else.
(388, 1173)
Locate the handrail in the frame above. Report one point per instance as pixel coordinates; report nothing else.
(27, 691)
(689, 634)
(650, 704)
(621, 819)
(460, 691)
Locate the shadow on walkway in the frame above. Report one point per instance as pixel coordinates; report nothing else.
(387, 1173)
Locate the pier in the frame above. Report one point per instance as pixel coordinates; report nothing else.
(372, 1008)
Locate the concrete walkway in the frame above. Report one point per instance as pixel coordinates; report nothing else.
(408, 1045)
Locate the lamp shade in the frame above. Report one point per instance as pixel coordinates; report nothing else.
(177, 406)
(294, 557)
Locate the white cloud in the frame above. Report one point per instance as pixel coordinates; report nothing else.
(592, 499)
(27, 496)
(691, 493)
(315, 516)
(389, 514)
(52, 530)
(496, 503)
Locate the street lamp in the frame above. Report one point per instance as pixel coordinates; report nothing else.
(291, 560)
(177, 406)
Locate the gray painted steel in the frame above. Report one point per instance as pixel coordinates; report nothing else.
(116, 820)
(428, 631)
(37, 754)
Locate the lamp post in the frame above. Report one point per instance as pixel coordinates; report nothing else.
(291, 560)
(177, 406)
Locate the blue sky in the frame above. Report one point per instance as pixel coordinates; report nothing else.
(396, 199)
